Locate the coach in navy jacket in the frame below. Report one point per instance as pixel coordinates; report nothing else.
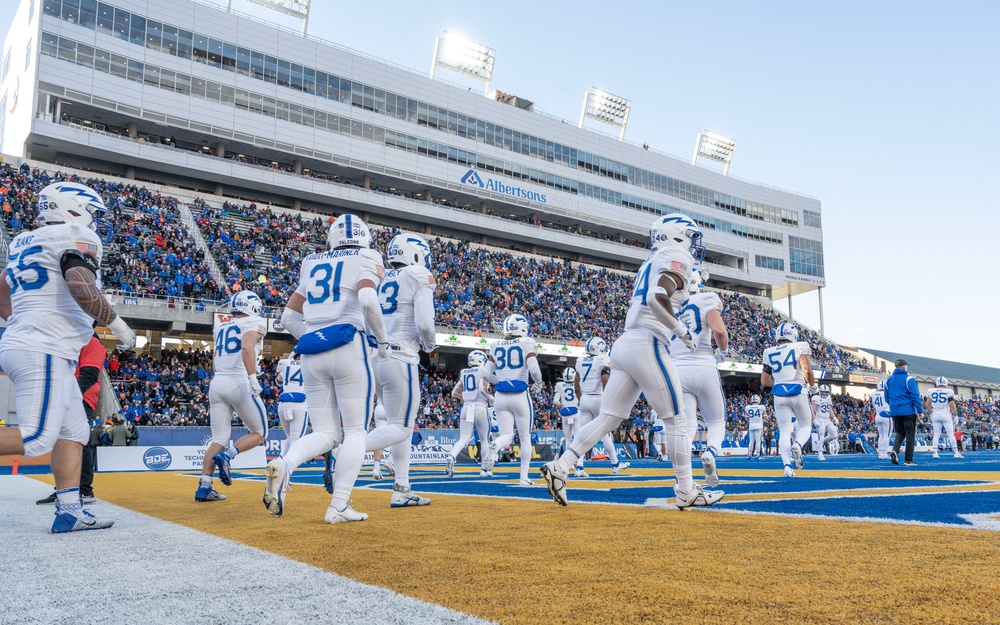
(904, 405)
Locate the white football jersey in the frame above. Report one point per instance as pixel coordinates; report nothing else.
(755, 416)
(879, 403)
(471, 381)
(783, 359)
(329, 281)
(671, 259)
(589, 368)
(694, 314)
(396, 295)
(229, 343)
(565, 396)
(824, 406)
(939, 400)
(511, 358)
(289, 376)
(45, 317)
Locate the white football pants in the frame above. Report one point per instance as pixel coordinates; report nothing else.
(946, 422)
(756, 439)
(47, 400)
(473, 418)
(590, 409)
(515, 409)
(640, 363)
(228, 394)
(884, 426)
(703, 390)
(294, 422)
(339, 393)
(570, 426)
(784, 409)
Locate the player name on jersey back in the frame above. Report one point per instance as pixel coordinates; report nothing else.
(590, 368)
(471, 380)
(328, 282)
(229, 338)
(511, 359)
(783, 361)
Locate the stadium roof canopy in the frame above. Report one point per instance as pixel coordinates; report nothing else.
(921, 365)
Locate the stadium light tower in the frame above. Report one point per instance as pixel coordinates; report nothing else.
(606, 108)
(714, 147)
(295, 8)
(464, 57)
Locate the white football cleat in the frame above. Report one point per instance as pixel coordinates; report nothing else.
(346, 515)
(797, 455)
(958, 455)
(697, 497)
(449, 467)
(491, 457)
(404, 498)
(555, 479)
(580, 473)
(935, 455)
(525, 482)
(275, 486)
(376, 473)
(618, 468)
(708, 464)
(821, 456)
(789, 472)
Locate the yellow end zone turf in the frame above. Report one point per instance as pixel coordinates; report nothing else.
(520, 561)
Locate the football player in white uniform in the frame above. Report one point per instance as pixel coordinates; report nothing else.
(335, 301)
(292, 400)
(234, 389)
(568, 403)
(407, 300)
(641, 363)
(659, 438)
(883, 421)
(511, 361)
(702, 314)
(823, 419)
(787, 370)
(754, 412)
(940, 400)
(50, 297)
(592, 372)
(473, 390)
(380, 460)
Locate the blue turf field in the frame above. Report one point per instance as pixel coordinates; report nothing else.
(953, 492)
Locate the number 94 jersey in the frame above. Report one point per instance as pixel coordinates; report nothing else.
(328, 281)
(510, 356)
(45, 317)
(782, 362)
(673, 260)
(228, 333)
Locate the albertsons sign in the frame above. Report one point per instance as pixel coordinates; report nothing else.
(472, 177)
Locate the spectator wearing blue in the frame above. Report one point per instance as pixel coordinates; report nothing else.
(904, 405)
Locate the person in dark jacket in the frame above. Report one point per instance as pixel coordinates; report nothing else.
(905, 404)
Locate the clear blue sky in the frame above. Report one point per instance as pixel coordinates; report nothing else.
(887, 111)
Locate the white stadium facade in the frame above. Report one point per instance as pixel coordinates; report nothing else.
(196, 100)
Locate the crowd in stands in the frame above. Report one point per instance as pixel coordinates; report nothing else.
(147, 250)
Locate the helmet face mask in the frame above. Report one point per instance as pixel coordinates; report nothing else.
(680, 230)
(596, 346)
(515, 325)
(349, 231)
(245, 303)
(69, 202)
(477, 359)
(408, 249)
(568, 375)
(824, 390)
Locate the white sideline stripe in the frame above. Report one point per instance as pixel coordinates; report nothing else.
(145, 570)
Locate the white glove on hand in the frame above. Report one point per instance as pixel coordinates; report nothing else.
(255, 387)
(720, 355)
(812, 390)
(383, 352)
(536, 388)
(123, 333)
(428, 349)
(686, 339)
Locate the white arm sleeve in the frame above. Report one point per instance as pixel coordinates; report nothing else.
(534, 370)
(373, 313)
(490, 372)
(662, 315)
(423, 311)
(293, 322)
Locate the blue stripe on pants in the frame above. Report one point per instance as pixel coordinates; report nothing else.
(45, 400)
(666, 374)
